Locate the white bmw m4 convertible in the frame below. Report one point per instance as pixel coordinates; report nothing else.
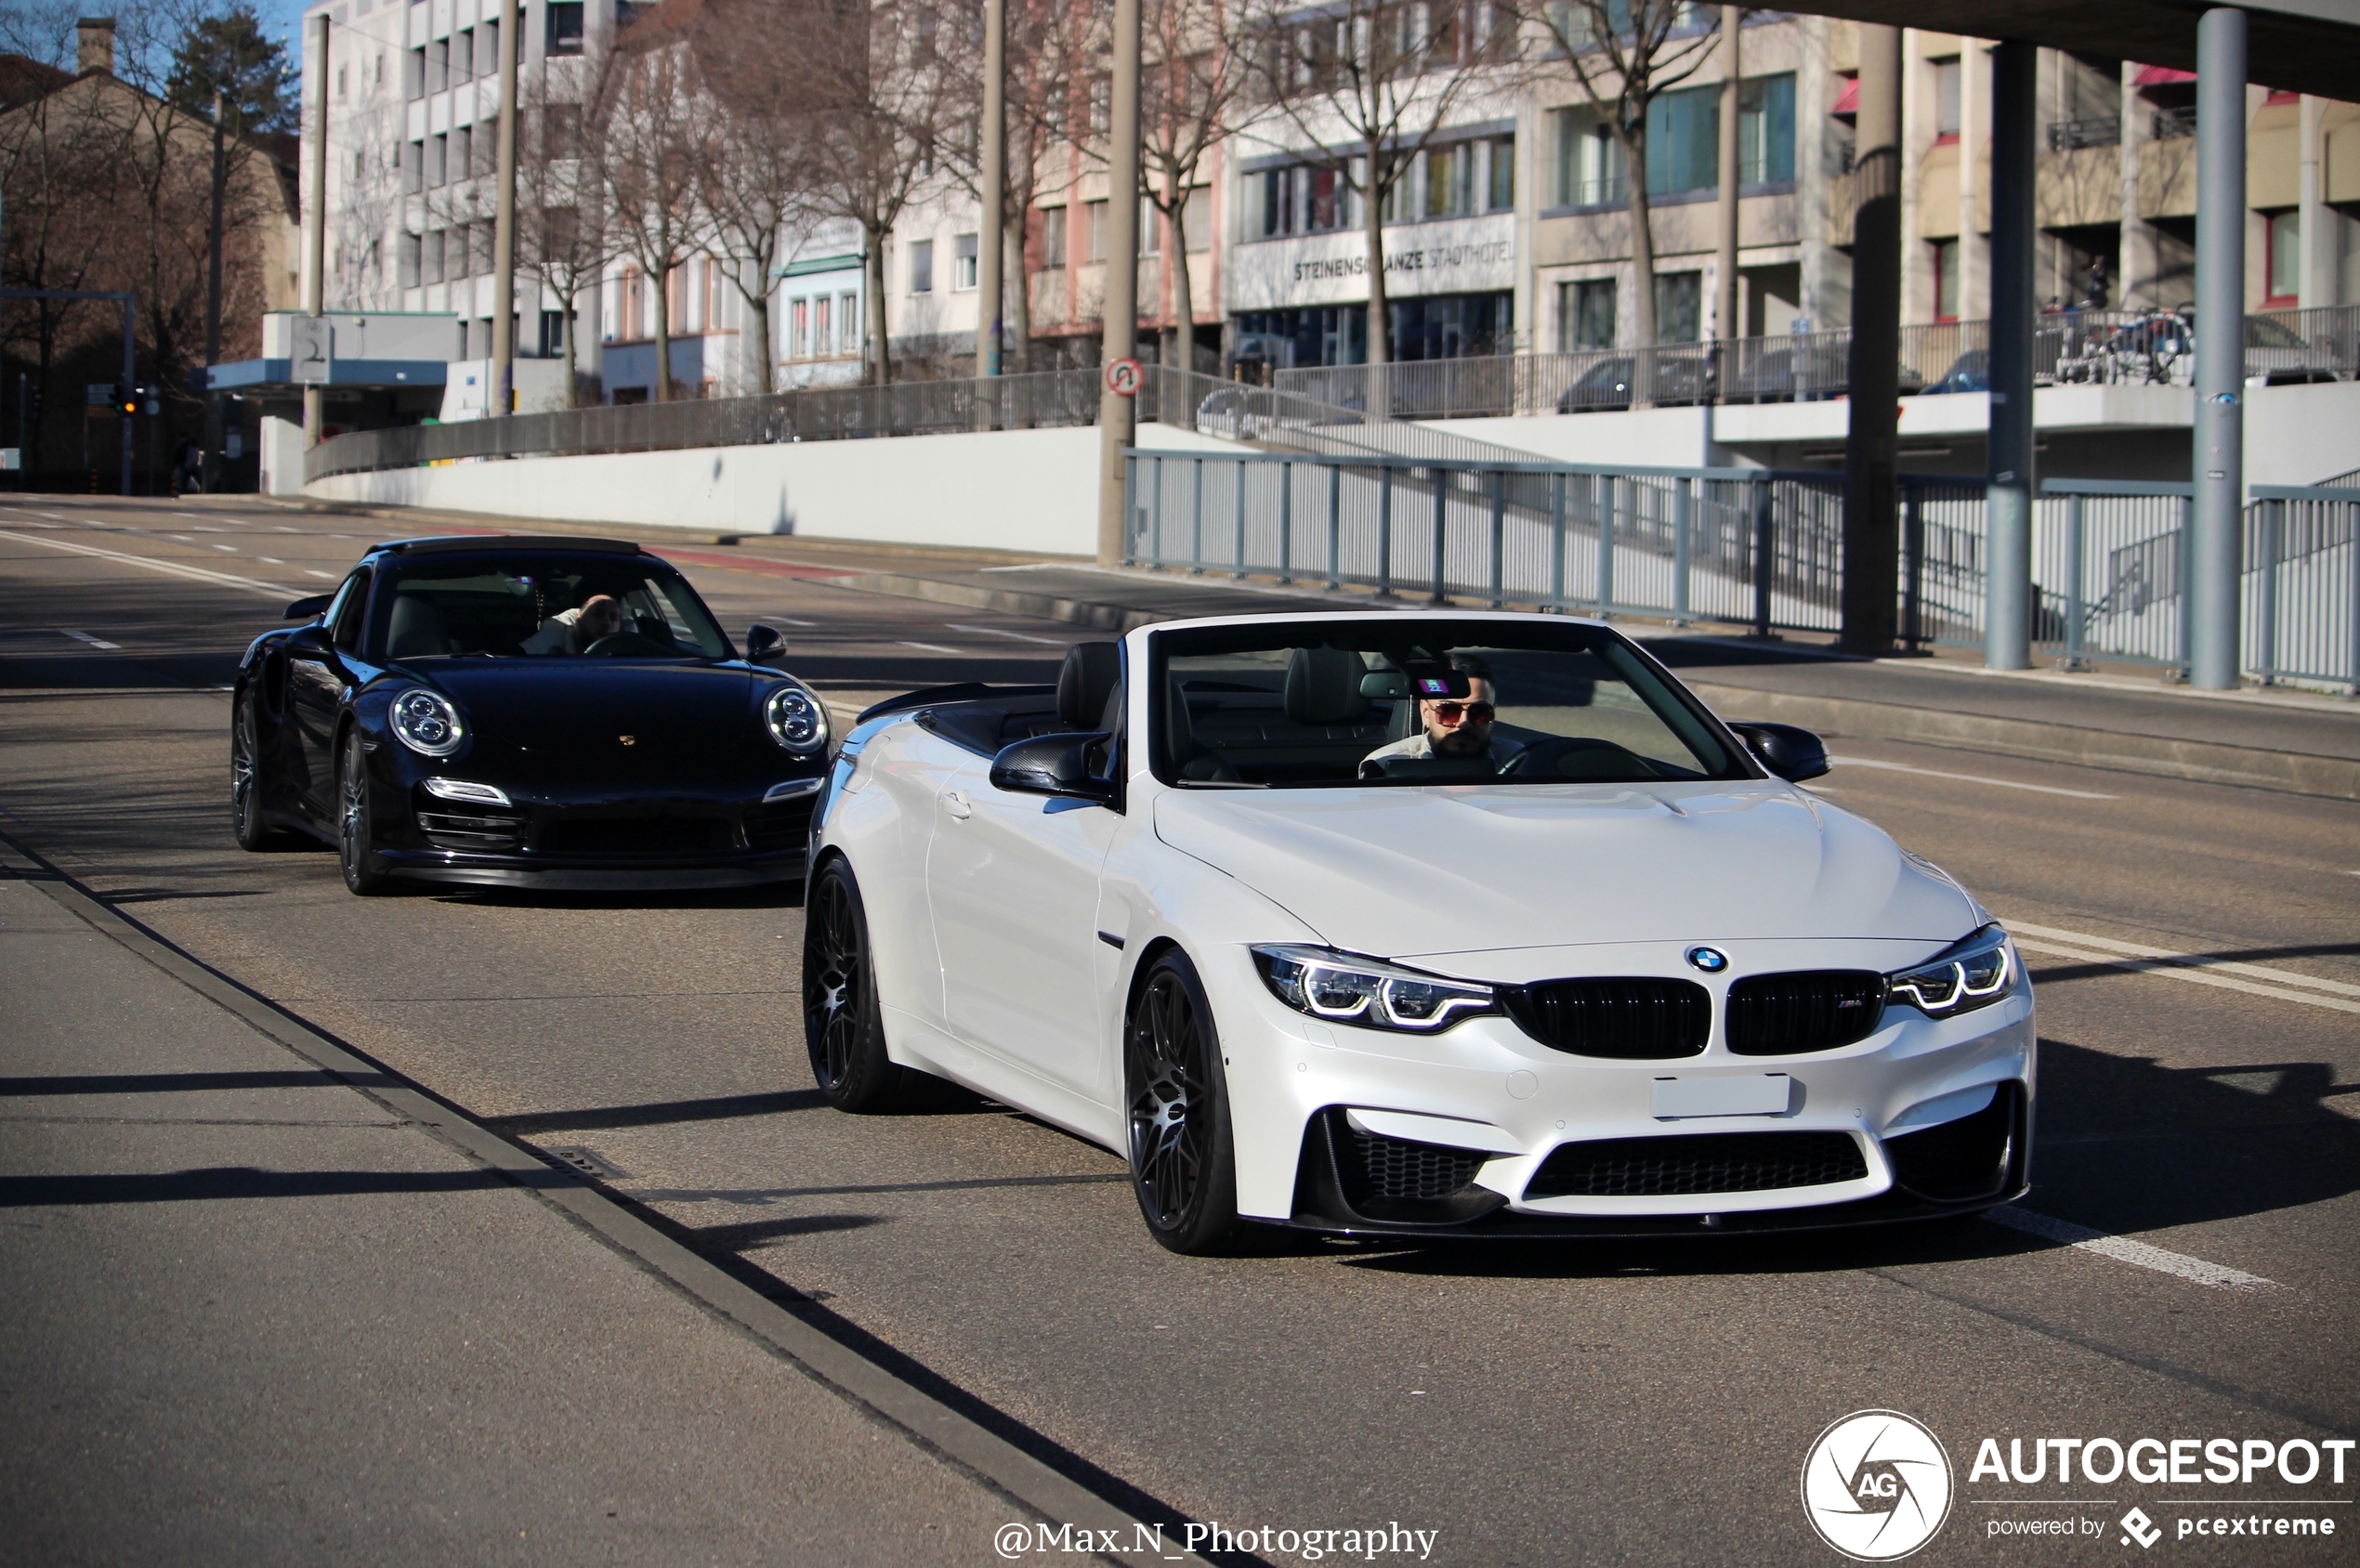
(1422, 924)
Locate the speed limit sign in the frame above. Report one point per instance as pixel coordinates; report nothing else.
(1123, 378)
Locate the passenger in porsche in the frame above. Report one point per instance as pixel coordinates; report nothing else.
(1451, 728)
(573, 631)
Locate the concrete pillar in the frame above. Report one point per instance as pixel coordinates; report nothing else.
(1726, 324)
(1872, 516)
(2319, 220)
(315, 248)
(2210, 574)
(1117, 415)
(503, 389)
(991, 246)
(1974, 130)
(2008, 598)
(2135, 262)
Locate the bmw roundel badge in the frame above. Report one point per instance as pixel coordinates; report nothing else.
(1712, 961)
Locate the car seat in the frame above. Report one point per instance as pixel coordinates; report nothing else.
(1089, 685)
(1323, 686)
(1190, 761)
(416, 629)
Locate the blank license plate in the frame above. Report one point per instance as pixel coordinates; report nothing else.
(1751, 1094)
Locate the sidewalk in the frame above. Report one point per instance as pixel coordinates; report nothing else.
(267, 1304)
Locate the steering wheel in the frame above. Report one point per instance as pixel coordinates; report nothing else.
(625, 644)
(1577, 756)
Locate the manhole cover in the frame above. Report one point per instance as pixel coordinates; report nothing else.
(584, 1162)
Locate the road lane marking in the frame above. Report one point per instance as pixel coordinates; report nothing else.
(1017, 636)
(272, 560)
(1972, 778)
(231, 548)
(784, 620)
(314, 571)
(86, 637)
(937, 648)
(2122, 1249)
(170, 569)
(2251, 971)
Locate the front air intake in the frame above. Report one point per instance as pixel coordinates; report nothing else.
(1698, 1165)
(1811, 1010)
(1635, 1019)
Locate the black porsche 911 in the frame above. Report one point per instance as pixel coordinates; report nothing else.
(525, 711)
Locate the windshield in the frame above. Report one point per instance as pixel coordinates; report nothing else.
(1420, 701)
(540, 607)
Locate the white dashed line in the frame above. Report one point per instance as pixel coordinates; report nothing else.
(784, 620)
(2193, 968)
(231, 548)
(1971, 778)
(2124, 1250)
(1013, 636)
(329, 576)
(272, 560)
(170, 569)
(86, 637)
(934, 647)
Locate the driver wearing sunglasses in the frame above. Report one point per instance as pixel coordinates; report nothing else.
(1455, 728)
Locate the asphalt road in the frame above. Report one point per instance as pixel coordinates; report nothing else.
(1649, 1403)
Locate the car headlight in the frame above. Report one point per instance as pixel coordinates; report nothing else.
(1345, 989)
(798, 720)
(425, 722)
(1966, 975)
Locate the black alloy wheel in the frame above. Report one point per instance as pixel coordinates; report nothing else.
(246, 820)
(843, 1027)
(1183, 1168)
(355, 829)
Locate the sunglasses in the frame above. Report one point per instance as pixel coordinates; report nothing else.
(1475, 712)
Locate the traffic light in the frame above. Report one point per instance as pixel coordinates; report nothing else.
(126, 399)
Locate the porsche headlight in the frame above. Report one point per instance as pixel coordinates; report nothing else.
(1969, 975)
(798, 721)
(1344, 989)
(425, 722)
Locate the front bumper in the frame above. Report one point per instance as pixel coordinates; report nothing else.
(1967, 1081)
(654, 874)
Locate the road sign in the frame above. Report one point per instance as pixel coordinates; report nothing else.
(307, 348)
(11, 460)
(1123, 378)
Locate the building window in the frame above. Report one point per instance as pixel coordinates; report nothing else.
(921, 266)
(1101, 104)
(632, 317)
(1504, 173)
(1151, 227)
(1585, 315)
(438, 65)
(1196, 219)
(1765, 131)
(1945, 280)
(410, 260)
(438, 160)
(2284, 263)
(380, 78)
(564, 35)
(1094, 236)
(413, 167)
(1679, 307)
(1947, 78)
(413, 73)
(1592, 168)
(488, 50)
(823, 337)
(463, 54)
(461, 154)
(343, 85)
(799, 329)
(1277, 201)
(1449, 179)
(1053, 238)
(1683, 139)
(965, 269)
(848, 336)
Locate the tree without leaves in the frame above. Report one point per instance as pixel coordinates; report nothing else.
(1626, 54)
(749, 186)
(649, 139)
(1193, 92)
(565, 233)
(1370, 85)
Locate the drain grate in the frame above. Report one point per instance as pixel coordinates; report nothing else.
(583, 1163)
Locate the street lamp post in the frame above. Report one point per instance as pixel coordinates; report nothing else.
(1117, 421)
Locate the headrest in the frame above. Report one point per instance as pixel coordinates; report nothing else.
(1091, 673)
(415, 628)
(1323, 686)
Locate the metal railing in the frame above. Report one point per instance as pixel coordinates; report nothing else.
(2072, 346)
(1756, 548)
(2100, 130)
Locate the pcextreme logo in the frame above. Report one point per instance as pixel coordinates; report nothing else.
(1876, 1485)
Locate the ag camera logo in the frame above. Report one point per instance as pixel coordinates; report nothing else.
(1876, 1485)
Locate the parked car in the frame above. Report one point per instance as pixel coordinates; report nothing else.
(1215, 903)
(525, 711)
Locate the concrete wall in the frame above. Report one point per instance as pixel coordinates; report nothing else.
(1643, 438)
(1034, 491)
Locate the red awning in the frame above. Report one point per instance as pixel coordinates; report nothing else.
(2160, 76)
(1849, 103)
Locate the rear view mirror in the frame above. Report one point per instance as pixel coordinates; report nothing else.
(764, 643)
(307, 608)
(1791, 753)
(1052, 764)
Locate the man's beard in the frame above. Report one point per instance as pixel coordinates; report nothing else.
(1465, 741)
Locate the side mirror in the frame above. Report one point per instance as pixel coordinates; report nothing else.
(1052, 764)
(313, 641)
(1793, 754)
(307, 609)
(764, 643)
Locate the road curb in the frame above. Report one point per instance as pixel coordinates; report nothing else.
(2198, 761)
(1009, 601)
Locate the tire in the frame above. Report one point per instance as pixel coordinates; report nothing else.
(246, 820)
(1184, 1168)
(843, 1025)
(355, 822)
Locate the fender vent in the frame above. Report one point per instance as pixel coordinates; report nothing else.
(1811, 1010)
(1635, 1019)
(1958, 1161)
(1698, 1163)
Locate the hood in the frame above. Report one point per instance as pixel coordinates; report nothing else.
(1400, 872)
(560, 719)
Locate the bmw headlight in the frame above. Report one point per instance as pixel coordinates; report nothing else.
(1968, 974)
(798, 720)
(1345, 989)
(425, 722)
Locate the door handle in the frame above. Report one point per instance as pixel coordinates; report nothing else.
(955, 803)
